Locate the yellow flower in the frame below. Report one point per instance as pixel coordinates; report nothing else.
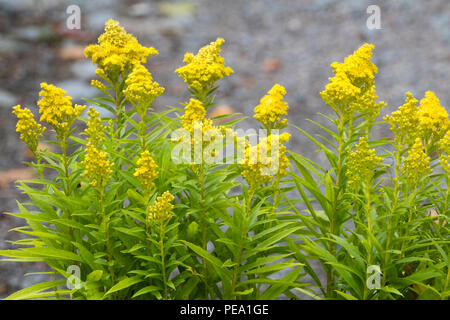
(259, 163)
(444, 145)
(361, 164)
(405, 121)
(161, 210)
(358, 67)
(95, 129)
(195, 112)
(99, 85)
(116, 50)
(30, 131)
(205, 68)
(353, 87)
(56, 109)
(417, 164)
(147, 170)
(141, 90)
(272, 108)
(97, 166)
(433, 117)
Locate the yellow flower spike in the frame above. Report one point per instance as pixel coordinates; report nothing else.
(56, 108)
(358, 67)
(116, 50)
(95, 129)
(353, 87)
(417, 163)
(194, 111)
(147, 170)
(97, 166)
(161, 210)
(30, 131)
(433, 118)
(204, 69)
(260, 171)
(405, 121)
(141, 90)
(272, 108)
(361, 163)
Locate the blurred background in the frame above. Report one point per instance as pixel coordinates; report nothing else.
(288, 42)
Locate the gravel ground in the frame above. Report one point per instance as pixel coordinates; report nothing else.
(284, 41)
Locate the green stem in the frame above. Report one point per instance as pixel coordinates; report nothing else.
(204, 240)
(241, 242)
(394, 207)
(108, 245)
(369, 233)
(331, 244)
(163, 266)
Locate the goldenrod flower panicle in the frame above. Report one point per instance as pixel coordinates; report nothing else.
(358, 67)
(161, 210)
(405, 121)
(147, 170)
(272, 108)
(433, 118)
(141, 90)
(95, 129)
(56, 108)
(117, 50)
(30, 131)
(417, 163)
(97, 166)
(361, 164)
(193, 111)
(260, 169)
(352, 89)
(204, 69)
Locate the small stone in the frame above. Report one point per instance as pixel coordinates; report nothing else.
(7, 99)
(73, 52)
(271, 65)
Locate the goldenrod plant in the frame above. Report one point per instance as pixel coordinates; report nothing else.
(148, 205)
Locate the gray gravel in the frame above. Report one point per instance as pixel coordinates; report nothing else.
(288, 42)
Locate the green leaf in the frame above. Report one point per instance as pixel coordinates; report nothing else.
(34, 290)
(123, 284)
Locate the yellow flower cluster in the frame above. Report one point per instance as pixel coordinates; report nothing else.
(141, 90)
(194, 111)
(272, 108)
(444, 145)
(353, 87)
(361, 163)
(259, 162)
(95, 129)
(116, 50)
(56, 109)
(147, 170)
(161, 210)
(434, 121)
(205, 68)
(97, 166)
(428, 121)
(30, 131)
(417, 163)
(405, 121)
